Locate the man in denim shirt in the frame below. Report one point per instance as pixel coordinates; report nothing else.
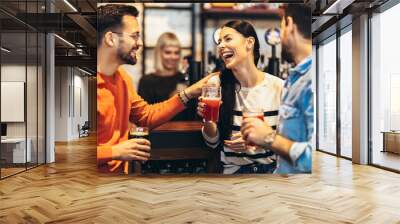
(296, 124)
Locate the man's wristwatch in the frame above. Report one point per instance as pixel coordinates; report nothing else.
(269, 139)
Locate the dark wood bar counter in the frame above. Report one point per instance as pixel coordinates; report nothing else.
(180, 140)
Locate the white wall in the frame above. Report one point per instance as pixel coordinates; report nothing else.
(61, 103)
(33, 127)
(13, 73)
(71, 94)
(80, 110)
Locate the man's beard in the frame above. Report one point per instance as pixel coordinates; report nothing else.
(126, 57)
(286, 55)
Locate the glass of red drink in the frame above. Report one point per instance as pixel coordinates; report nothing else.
(253, 113)
(211, 97)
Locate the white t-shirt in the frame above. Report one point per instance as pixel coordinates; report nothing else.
(266, 95)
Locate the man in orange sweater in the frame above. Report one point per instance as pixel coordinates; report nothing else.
(117, 101)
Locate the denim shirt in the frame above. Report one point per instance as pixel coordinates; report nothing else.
(296, 121)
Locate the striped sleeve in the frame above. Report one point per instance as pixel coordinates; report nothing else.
(211, 142)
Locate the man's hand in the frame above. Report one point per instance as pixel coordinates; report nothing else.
(255, 131)
(194, 90)
(236, 143)
(132, 149)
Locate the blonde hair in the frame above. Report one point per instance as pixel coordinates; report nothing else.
(167, 39)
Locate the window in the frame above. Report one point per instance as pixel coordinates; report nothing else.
(22, 75)
(327, 96)
(385, 89)
(346, 93)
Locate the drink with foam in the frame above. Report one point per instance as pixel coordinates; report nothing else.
(139, 132)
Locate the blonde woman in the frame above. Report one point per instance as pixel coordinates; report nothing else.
(167, 79)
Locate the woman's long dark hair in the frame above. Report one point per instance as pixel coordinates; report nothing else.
(229, 81)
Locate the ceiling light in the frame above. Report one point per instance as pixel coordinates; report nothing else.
(70, 5)
(65, 41)
(84, 71)
(337, 7)
(5, 50)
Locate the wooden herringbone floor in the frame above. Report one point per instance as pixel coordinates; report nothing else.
(71, 191)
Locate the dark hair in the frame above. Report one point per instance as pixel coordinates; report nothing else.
(109, 17)
(229, 81)
(301, 15)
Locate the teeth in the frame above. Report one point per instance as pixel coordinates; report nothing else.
(227, 54)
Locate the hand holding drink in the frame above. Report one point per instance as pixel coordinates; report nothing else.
(137, 147)
(132, 149)
(258, 132)
(236, 143)
(253, 113)
(210, 103)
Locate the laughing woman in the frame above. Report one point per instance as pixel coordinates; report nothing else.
(242, 86)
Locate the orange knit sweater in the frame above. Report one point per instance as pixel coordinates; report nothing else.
(117, 105)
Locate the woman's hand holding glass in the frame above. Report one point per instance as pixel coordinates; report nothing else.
(237, 143)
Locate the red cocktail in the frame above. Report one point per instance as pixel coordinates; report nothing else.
(253, 113)
(256, 113)
(211, 110)
(259, 116)
(211, 97)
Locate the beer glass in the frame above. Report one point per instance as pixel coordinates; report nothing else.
(136, 132)
(253, 113)
(211, 97)
(139, 132)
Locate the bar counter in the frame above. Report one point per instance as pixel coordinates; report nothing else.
(180, 140)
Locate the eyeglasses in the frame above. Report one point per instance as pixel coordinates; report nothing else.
(134, 36)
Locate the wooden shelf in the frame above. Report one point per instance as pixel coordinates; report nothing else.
(168, 7)
(272, 14)
(184, 48)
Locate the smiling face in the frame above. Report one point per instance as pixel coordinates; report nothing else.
(170, 56)
(129, 40)
(233, 47)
